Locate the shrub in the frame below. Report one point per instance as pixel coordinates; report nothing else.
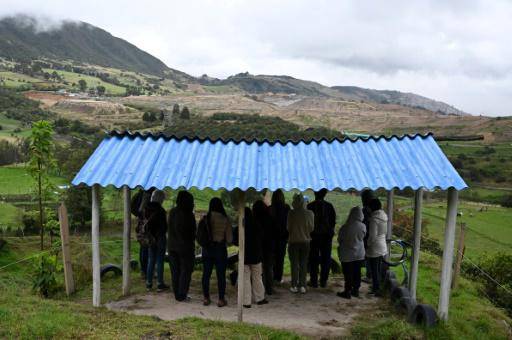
(507, 201)
(45, 281)
(497, 267)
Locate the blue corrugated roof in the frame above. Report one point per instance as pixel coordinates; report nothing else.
(162, 161)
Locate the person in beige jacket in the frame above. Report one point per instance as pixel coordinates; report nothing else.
(300, 224)
(377, 247)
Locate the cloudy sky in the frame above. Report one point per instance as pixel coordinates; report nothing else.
(456, 51)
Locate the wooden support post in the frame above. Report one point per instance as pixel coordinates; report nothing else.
(460, 255)
(95, 240)
(389, 212)
(413, 279)
(447, 261)
(66, 255)
(241, 255)
(127, 228)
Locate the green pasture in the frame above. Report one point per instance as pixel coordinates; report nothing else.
(72, 77)
(15, 80)
(9, 126)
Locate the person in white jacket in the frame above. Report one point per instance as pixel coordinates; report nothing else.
(351, 252)
(377, 248)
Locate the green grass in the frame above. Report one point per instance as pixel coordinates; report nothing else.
(72, 77)
(8, 127)
(9, 215)
(15, 80)
(487, 231)
(15, 180)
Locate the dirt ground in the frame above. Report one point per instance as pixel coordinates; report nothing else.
(318, 313)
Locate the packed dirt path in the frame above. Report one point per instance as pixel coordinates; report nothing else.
(318, 313)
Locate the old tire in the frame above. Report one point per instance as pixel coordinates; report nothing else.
(406, 305)
(423, 315)
(390, 284)
(389, 275)
(398, 293)
(111, 268)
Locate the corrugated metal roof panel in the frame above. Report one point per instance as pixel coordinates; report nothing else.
(161, 161)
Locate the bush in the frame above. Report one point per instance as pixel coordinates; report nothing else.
(45, 281)
(507, 201)
(497, 267)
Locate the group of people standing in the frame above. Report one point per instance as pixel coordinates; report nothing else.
(305, 230)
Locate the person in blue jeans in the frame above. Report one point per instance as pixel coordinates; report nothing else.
(155, 218)
(216, 254)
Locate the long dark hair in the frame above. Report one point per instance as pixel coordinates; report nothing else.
(185, 201)
(215, 206)
(278, 198)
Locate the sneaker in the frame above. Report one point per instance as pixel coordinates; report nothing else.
(206, 301)
(162, 287)
(262, 302)
(222, 303)
(294, 290)
(247, 306)
(302, 290)
(345, 295)
(355, 293)
(149, 287)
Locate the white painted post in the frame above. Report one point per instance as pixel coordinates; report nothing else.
(66, 255)
(389, 212)
(126, 240)
(447, 262)
(95, 239)
(241, 255)
(413, 279)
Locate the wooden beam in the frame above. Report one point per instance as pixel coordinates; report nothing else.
(241, 255)
(127, 228)
(95, 240)
(460, 255)
(413, 279)
(389, 212)
(447, 262)
(66, 255)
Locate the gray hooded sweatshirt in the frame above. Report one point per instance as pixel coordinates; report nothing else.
(377, 235)
(300, 222)
(351, 236)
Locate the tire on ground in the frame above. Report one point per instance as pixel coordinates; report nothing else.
(390, 284)
(109, 267)
(406, 305)
(423, 315)
(398, 293)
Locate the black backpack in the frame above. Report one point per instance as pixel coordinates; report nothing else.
(204, 235)
(143, 233)
(322, 222)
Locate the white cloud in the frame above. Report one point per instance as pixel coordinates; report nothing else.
(456, 51)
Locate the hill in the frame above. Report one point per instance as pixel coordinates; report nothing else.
(22, 38)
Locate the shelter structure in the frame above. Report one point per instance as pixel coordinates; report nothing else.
(128, 161)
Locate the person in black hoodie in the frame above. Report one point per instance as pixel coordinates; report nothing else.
(366, 196)
(263, 220)
(321, 239)
(253, 282)
(279, 213)
(181, 244)
(138, 203)
(154, 216)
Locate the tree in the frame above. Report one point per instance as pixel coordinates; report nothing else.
(82, 84)
(185, 113)
(100, 90)
(40, 164)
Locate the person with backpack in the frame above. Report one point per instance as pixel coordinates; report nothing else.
(351, 252)
(279, 214)
(377, 247)
(253, 280)
(321, 239)
(155, 228)
(262, 218)
(137, 205)
(216, 231)
(300, 224)
(181, 244)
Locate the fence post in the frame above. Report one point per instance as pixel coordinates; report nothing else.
(95, 242)
(413, 279)
(66, 255)
(460, 255)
